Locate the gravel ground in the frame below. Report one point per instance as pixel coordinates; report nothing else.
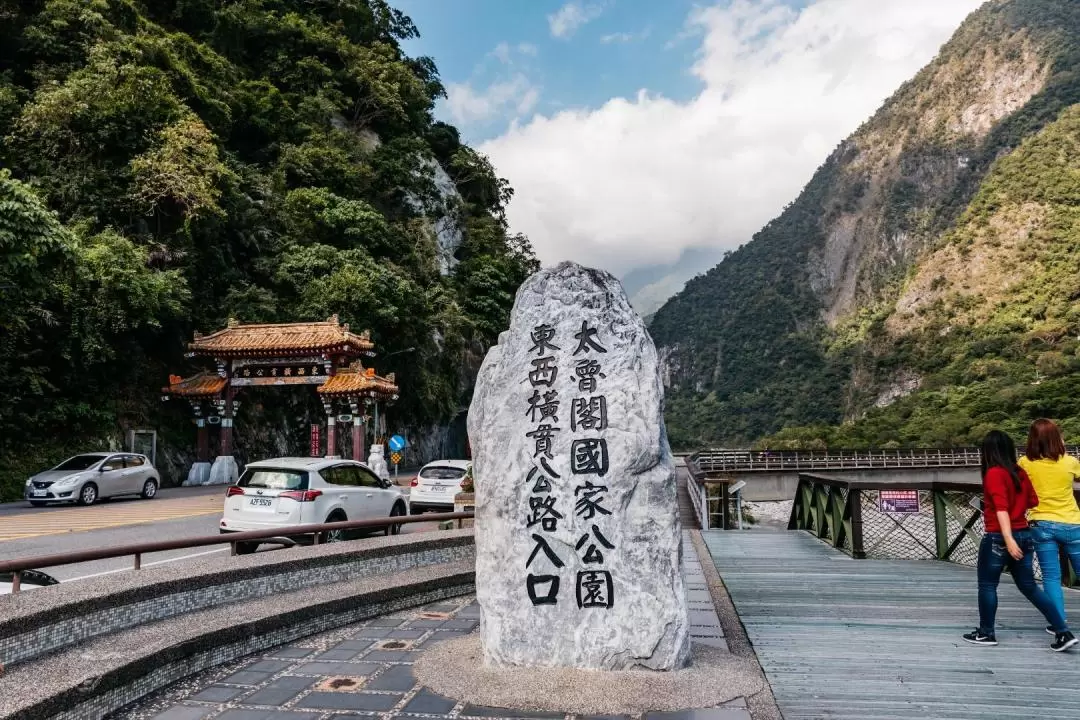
(771, 514)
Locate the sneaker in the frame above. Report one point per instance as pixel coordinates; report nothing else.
(980, 638)
(1063, 641)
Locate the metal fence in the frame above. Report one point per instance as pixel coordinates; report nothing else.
(715, 505)
(319, 532)
(938, 520)
(771, 460)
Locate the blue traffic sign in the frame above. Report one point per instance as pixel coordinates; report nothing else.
(397, 443)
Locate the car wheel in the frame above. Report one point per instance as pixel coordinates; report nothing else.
(89, 494)
(397, 511)
(246, 548)
(149, 489)
(331, 536)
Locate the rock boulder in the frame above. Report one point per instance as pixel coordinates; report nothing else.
(578, 539)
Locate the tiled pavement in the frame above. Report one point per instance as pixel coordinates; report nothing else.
(366, 670)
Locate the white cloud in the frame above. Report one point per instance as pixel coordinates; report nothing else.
(504, 52)
(638, 180)
(508, 93)
(622, 38)
(467, 105)
(571, 16)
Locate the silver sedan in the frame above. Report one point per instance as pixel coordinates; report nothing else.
(85, 479)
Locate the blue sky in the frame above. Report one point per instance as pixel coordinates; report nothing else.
(629, 45)
(742, 101)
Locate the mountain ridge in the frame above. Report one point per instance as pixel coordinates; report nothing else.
(776, 335)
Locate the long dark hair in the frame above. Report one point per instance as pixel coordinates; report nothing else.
(998, 450)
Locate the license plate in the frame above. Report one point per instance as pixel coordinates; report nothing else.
(38, 493)
(437, 488)
(261, 503)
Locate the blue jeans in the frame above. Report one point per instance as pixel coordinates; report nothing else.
(993, 559)
(1050, 539)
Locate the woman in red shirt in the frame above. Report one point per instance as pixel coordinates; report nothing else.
(1007, 496)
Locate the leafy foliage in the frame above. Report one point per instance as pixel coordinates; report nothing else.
(177, 163)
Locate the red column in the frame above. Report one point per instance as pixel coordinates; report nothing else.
(202, 441)
(331, 435)
(227, 423)
(357, 439)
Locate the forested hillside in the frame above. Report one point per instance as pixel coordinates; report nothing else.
(922, 288)
(168, 165)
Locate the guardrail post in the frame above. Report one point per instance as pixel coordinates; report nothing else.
(855, 504)
(16, 582)
(702, 503)
(138, 561)
(725, 496)
(941, 525)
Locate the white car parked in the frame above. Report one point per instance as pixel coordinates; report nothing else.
(299, 491)
(436, 484)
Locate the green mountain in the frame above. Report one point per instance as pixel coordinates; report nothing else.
(923, 287)
(171, 164)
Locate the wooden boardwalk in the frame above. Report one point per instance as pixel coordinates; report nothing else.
(880, 639)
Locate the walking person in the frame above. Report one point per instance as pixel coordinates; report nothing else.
(1055, 521)
(1008, 543)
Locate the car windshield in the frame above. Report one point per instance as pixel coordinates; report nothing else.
(79, 462)
(272, 479)
(442, 473)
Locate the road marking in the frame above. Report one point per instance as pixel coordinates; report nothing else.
(79, 519)
(146, 565)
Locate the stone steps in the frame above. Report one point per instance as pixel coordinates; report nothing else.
(94, 678)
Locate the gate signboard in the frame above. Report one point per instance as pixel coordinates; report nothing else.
(316, 444)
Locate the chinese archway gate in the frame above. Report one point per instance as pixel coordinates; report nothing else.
(322, 354)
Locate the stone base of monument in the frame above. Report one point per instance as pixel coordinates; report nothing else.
(224, 471)
(199, 474)
(455, 669)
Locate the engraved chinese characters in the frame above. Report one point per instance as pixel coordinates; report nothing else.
(577, 531)
(588, 456)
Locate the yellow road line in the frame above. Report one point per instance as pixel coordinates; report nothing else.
(80, 519)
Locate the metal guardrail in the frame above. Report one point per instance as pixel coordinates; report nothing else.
(277, 536)
(715, 504)
(766, 460)
(771, 460)
(945, 523)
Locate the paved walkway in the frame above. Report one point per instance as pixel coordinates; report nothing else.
(367, 670)
(880, 639)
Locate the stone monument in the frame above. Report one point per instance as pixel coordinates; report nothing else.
(578, 540)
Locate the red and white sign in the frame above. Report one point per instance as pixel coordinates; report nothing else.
(316, 444)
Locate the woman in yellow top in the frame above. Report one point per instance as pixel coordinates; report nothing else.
(1055, 521)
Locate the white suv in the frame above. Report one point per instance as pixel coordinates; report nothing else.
(300, 491)
(436, 484)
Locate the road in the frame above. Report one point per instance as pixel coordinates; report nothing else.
(174, 514)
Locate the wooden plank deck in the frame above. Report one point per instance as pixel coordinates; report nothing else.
(880, 639)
